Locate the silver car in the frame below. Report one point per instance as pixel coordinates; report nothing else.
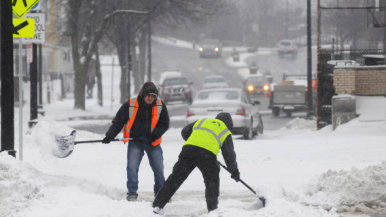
(287, 47)
(214, 81)
(245, 114)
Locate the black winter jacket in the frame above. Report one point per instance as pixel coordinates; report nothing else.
(227, 148)
(142, 123)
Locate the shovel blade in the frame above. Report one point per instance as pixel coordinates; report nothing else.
(65, 145)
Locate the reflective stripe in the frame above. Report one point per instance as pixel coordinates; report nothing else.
(158, 113)
(218, 138)
(131, 111)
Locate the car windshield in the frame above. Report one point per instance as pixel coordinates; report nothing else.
(285, 43)
(210, 41)
(256, 80)
(214, 80)
(175, 81)
(218, 95)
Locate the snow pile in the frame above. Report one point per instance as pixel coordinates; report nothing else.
(300, 124)
(19, 185)
(351, 191)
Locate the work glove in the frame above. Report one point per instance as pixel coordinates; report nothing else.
(106, 140)
(235, 175)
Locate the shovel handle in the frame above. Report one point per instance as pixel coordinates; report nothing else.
(94, 141)
(261, 198)
(245, 184)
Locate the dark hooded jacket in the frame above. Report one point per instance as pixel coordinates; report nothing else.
(142, 123)
(227, 148)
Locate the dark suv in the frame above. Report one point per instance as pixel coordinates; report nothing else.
(176, 88)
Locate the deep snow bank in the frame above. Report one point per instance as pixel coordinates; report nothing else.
(351, 191)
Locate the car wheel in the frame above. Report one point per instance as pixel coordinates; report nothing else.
(248, 131)
(275, 111)
(261, 125)
(288, 113)
(189, 100)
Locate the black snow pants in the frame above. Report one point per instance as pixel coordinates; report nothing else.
(190, 158)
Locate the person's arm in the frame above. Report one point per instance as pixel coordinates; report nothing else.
(119, 121)
(163, 123)
(229, 155)
(187, 130)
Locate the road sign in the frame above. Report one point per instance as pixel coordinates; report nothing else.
(21, 7)
(36, 7)
(40, 28)
(23, 28)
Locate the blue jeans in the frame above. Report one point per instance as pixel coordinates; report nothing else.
(135, 153)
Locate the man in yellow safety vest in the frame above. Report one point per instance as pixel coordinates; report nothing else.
(204, 139)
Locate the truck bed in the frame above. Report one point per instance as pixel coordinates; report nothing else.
(289, 95)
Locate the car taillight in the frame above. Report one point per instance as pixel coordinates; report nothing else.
(241, 111)
(189, 113)
(292, 48)
(278, 48)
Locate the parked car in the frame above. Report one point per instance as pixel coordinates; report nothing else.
(214, 81)
(175, 87)
(256, 85)
(210, 48)
(245, 114)
(287, 47)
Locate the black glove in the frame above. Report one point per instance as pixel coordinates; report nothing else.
(106, 140)
(235, 175)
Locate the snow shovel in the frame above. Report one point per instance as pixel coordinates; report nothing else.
(66, 144)
(261, 198)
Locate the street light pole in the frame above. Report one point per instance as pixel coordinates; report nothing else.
(7, 79)
(309, 60)
(149, 49)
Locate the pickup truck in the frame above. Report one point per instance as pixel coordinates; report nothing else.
(288, 98)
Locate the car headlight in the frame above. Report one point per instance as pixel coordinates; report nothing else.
(201, 49)
(266, 87)
(216, 49)
(250, 88)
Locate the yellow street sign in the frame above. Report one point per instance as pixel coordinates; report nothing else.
(23, 28)
(21, 7)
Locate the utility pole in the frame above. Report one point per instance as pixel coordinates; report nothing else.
(149, 48)
(7, 95)
(34, 87)
(286, 20)
(309, 61)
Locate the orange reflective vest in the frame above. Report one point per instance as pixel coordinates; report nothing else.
(133, 109)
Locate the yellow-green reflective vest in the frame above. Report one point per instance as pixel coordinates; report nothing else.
(209, 134)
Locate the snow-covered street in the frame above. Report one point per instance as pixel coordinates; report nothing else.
(302, 172)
